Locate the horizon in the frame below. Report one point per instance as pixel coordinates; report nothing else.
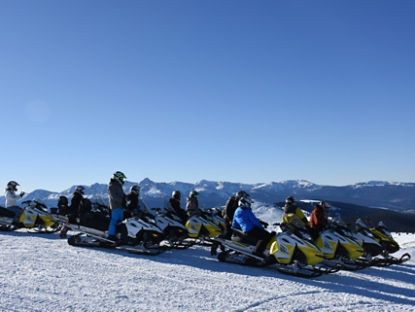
(222, 90)
(213, 181)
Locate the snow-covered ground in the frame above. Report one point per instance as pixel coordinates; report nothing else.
(40, 272)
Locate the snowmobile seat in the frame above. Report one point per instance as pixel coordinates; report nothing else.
(95, 220)
(4, 212)
(241, 237)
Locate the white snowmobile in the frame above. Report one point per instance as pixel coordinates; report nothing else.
(134, 235)
(174, 232)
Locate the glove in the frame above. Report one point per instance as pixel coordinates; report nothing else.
(22, 194)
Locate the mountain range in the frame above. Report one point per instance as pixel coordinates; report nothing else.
(379, 194)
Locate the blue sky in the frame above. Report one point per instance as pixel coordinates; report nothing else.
(243, 91)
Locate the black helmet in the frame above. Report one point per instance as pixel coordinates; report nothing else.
(135, 189)
(244, 203)
(12, 184)
(193, 194)
(176, 194)
(242, 194)
(79, 189)
(290, 200)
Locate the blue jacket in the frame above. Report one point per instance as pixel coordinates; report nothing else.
(245, 220)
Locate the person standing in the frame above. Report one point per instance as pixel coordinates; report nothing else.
(117, 202)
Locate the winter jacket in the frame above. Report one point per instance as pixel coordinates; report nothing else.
(173, 207)
(192, 206)
(11, 198)
(229, 211)
(318, 218)
(245, 220)
(76, 204)
(293, 215)
(135, 206)
(132, 203)
(116, 195)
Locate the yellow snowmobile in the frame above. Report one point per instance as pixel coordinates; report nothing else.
(35, 217)
(384, 238)
(287, 252)
(202, 229)
(339, 250)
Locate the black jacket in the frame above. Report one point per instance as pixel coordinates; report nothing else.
(176, 209)
(75, 208)
(132, 204)
(231, 206)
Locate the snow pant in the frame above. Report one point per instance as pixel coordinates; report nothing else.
(261, 236)
(117, 215)
(17, 212)
(227, 231)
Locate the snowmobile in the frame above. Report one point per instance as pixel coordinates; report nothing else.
(371, 247)
(214, 215)
(386, 243)
(201, 229)
(173, 230)
(34, 217)
(135, 235)
(287, 252)
(339, 250)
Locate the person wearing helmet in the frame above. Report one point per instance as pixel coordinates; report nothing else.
(319, 216)
(192, 204)
(12, 198)
(135, 206)
(229, 211)
(293, 216)
(174, 208)
(75, 209)
(245, 221)
(117, 202)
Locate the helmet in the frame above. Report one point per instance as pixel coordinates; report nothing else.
(79, 189)
(12, 184)
(244, 203)
(289, 200)
(193, 194)
(135, 189)
(241, 194)
(176, 194)
(325, 204)
(119, 176)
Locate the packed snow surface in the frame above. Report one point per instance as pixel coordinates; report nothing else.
(40, 272)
